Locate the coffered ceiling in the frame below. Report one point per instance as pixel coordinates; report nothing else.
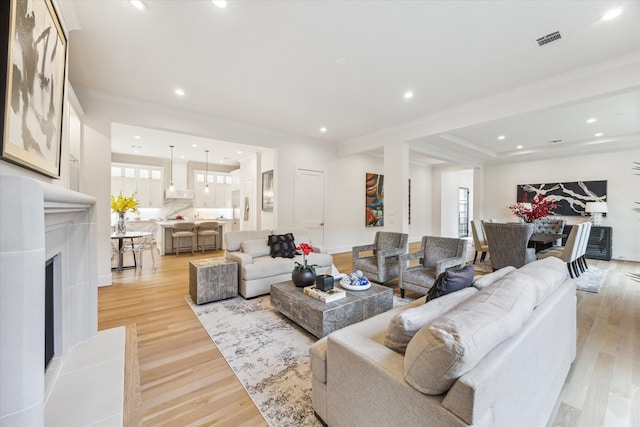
(299, 66)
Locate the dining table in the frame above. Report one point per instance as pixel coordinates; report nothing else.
(121, 238)
(541, 241)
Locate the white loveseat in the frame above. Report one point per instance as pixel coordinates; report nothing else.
(257, 270)
(358, 380)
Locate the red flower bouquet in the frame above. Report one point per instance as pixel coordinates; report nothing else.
(539, 207)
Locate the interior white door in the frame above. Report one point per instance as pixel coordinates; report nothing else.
(309, 203)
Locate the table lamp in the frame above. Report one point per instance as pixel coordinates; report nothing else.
(596, 209)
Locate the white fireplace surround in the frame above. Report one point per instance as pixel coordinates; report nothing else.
(38, 221)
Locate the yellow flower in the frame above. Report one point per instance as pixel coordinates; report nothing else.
(123, 204)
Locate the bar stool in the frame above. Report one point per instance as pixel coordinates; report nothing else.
(207, 229)
(180, 231)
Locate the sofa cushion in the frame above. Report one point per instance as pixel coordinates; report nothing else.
(282, 245)
(454, 343)
(451, 281)
(262, 267)
(255, 248)
(547, 274)
(233, 239)
(485, 280)
(404, 325)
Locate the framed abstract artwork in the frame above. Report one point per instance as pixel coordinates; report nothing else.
(571, 197)
(374, 196)
(33, 67)
(267, 191)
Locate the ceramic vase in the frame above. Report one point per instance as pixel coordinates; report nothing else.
(303, 277)
(121, 227)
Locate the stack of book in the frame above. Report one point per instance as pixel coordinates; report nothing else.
(329, 296)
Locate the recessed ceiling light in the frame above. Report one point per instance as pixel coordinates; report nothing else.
(519, 147)
(323, 129)
(194, 145)
(501, 137)
(137, 4)
(220, 3)
(598, 134)
(408, 95)
(610, 14)
(179, 92)
(592, 120)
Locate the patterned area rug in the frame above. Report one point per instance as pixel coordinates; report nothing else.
(592, 279)
(268, 353)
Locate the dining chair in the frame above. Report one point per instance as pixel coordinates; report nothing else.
(181, 230)
(584, 242)
(569, 252)
(479, 240)
(549, 226)
(382, 265)
(207, 229)
(508, 244)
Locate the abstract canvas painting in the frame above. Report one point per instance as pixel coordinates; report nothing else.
(374, 194)
(571, 197)
(34, 71)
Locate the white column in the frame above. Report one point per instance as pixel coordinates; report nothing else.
(396, 187)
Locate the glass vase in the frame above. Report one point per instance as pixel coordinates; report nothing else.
(121, 227)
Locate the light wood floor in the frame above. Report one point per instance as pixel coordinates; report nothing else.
(185, 381)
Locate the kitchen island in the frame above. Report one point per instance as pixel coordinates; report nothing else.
(164, 241)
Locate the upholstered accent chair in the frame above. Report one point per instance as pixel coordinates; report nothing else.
(508, 243)
(382, 265)
(436, 255)
(570, 252)
(549, 226)
(479, 240)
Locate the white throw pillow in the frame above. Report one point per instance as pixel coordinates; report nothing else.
(481, 282)
(255, 248)
(454, 343)
(404, 325)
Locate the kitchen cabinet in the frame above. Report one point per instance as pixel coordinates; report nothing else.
(219, 195)
(146, 181)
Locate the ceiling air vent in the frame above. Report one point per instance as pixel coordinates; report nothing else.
(555, 141)
(549, 38)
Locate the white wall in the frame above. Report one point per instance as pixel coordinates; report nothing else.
(623, 190)
(421, 202)
(451, 181)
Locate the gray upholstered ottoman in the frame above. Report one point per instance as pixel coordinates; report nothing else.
(212, 279)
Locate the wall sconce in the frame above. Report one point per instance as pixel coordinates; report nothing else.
(596, 209)
(206, 171)
(171, 187)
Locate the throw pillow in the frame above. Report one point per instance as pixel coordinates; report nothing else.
(282, 245)
(255, 248)
(454, 343)
(404, 325)
(451, 281)
(483, 281)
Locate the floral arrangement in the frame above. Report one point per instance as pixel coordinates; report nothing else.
(123, 204)
(539, 207)
(306, 250)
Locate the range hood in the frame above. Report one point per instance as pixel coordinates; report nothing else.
(179, 178)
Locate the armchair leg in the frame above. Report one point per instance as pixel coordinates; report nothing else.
(401, 293)
(483, 257)
(476, 256)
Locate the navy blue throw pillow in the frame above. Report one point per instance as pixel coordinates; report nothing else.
(451, 281)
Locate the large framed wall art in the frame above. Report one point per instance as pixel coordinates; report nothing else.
(33, 67)
(571, 197)
(374, 196)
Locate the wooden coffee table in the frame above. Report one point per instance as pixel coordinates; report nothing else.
(321, 318)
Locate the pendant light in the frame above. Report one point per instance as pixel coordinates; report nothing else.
(206, 171)
(171, 187)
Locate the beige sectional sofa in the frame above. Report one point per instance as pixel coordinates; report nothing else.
(498, 356)
(257, 270)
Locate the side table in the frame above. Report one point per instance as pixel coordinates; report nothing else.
(212, 279)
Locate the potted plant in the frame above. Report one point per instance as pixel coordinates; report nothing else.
(121, 205)
(304, 274)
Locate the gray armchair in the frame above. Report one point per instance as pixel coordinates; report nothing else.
(436, 255)
(508, 243)
(382, 265)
